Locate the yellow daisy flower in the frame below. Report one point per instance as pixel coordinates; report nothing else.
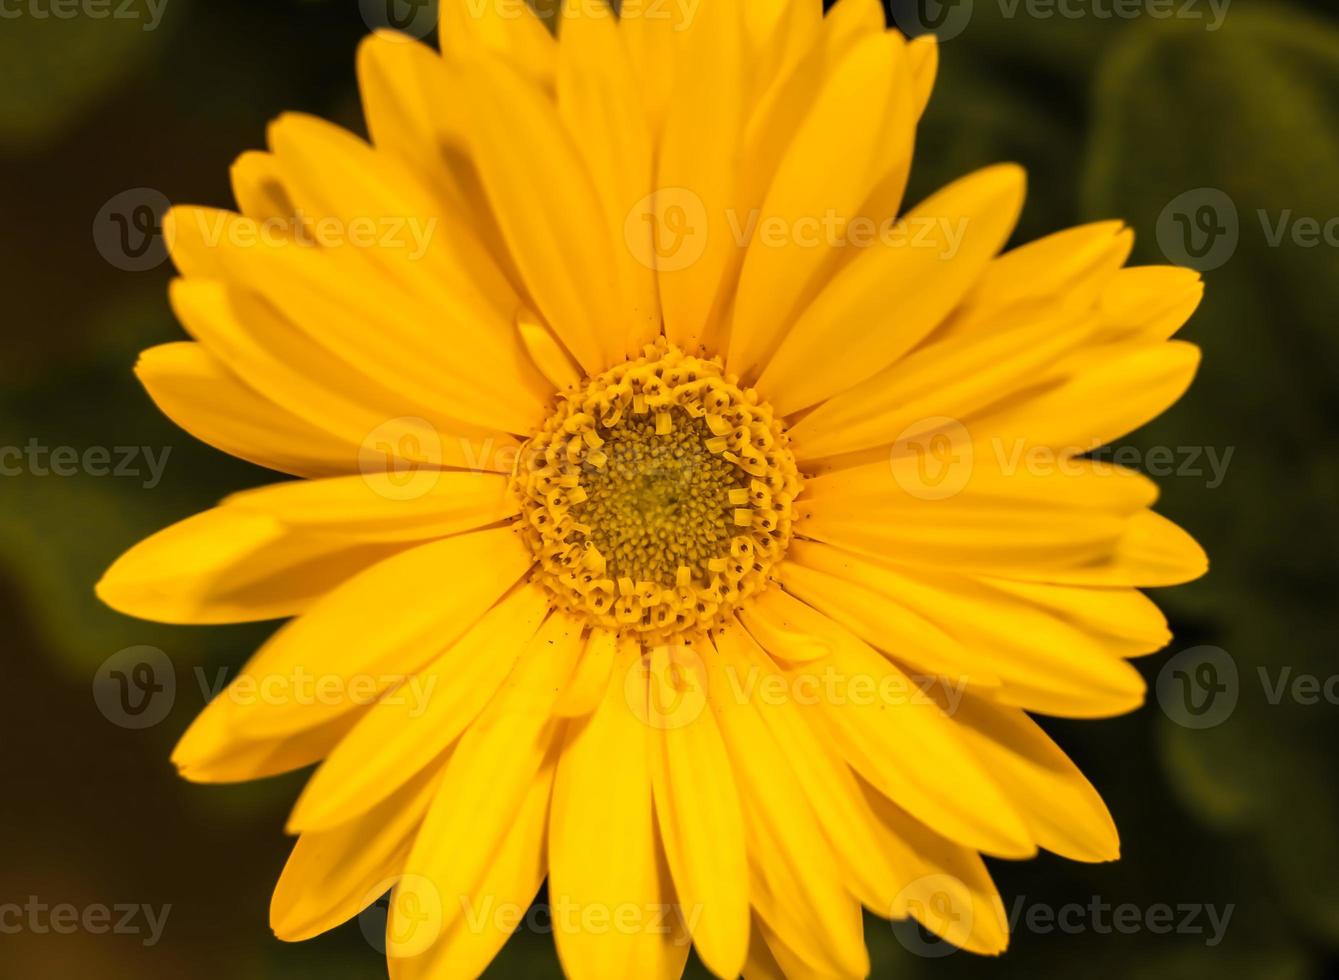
(677, 525)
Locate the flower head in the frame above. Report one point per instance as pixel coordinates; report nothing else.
(682, 520)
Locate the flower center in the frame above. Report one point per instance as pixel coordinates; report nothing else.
(657, 497)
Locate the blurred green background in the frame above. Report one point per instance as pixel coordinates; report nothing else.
(1113, 115)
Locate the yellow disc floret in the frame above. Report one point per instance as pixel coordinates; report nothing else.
(658, 496)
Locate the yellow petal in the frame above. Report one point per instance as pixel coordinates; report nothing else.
(1078, 260)
(794, 885)
(651, 31)
(589, 681)
(469, 920)
(951, 379)
(597, 100)
(258, 186)
(698, 811)
(923, 53)
(193, 388)
(1110, 399)
(828, 782)
(548, 354)
(510, 31)
(414, 724)
(1132, 621)
(228, 566)
(618, 916)
(375, 629)
(937, 253)
(333, 875)
(1062, 811)
(210, 753)
(1044, 662)
(879, 620)
(889, 731)
(1152, 302)
(829, 168)
(1152, 552)
(294, 370)
(697, 184)
(537, 208)
(498, 767)
(770, 618)
(1000, 521)
(947, 887)
(376, 506)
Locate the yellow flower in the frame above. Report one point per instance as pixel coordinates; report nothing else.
(676, 526)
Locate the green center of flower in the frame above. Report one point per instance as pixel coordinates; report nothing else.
(658, 497)
(659, 502)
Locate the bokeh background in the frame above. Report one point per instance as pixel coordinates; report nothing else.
(1210, 130)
